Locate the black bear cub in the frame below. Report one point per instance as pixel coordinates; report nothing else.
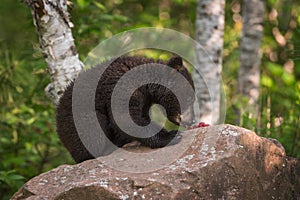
(140, 102)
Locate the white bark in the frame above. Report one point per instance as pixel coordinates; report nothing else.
(250, 55)
(209, 34)
(55, 37)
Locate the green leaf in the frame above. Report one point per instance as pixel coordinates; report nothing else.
(16, 177)
(106, 17)
(83, 3)
(267, 81)
(30, 121)
(100, 6)
(121, 18)
(288, 79)
(10, 177)
(275, 69)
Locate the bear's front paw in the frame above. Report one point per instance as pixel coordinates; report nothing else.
(162, 139)
(174, 138)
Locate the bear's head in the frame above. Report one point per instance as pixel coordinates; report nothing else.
(186, 117)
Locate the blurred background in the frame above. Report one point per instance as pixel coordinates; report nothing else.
(28, 141)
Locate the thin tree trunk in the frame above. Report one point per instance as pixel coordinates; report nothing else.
(250, 55)
(209, 34)
(56, 41)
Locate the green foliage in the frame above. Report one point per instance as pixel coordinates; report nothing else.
(283, 109)
(279, 108)
(28, 141)
(9, 179)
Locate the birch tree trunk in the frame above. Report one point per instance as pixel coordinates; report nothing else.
(250, 55)
(56, 41)
(208, 58)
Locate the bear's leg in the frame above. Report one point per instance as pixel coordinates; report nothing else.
(161, 139)
(120, 138)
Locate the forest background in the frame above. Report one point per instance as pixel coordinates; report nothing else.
(28, 141)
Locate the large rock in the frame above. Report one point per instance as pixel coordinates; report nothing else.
(217, 162)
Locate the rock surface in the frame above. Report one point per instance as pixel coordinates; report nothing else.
(217, 162)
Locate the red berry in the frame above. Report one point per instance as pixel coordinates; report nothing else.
(201, 124)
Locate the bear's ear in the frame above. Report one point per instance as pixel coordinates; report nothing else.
(175, 62)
